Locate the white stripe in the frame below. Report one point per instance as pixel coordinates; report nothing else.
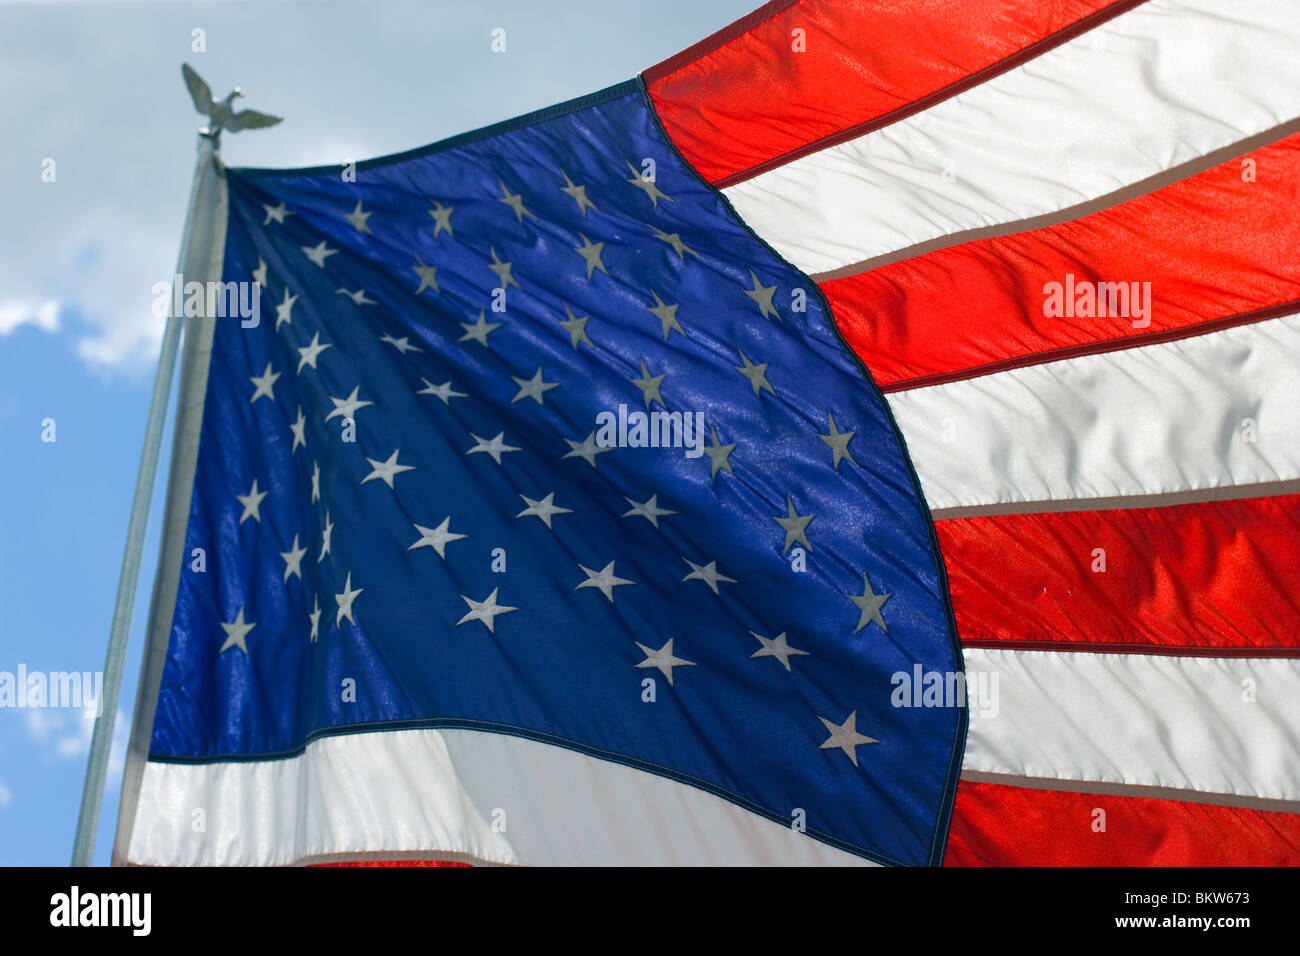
(1158, 86)
(1199, 723)
(1203, 412)
(487, 797)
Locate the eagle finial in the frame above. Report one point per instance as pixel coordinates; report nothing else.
(221, 112)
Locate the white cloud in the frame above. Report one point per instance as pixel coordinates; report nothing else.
(105, 225)
(14, 314)
(75, 741)
(6, 795)
(67, 733)
(41, 723)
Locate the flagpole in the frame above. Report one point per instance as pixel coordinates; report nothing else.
(83, 847)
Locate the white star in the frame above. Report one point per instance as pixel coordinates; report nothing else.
(347, 407)
(436, 538)
(299, 429)
(650, 385)
(515, 201)
(235, 633)
(587, 449)
(576, 327)
(666, 314)
(648, 186)
(293, 559)
(479, 331)
(251, 502)
(358, 219)
(311, 352)
(719, 455)
(386, 470)
(777, 647)
(604, 580)
(428, 275)
(762, 294)
(590, 252)
(543, 509)
(757, 374)
(708, 573)
(534, 388)
(284, 311)
(839, 443)
(485, 610)
(325, 537)
(663, 659)
(443, 391)
(259, 274)
(319, 253)
(649, 510)
(442, 218)
(359, 297)
(314, 617)
(496, 448)
(265, 384)
(345, 602)
(578, 193)
(674, 239)
(845, 736)
(276, 213)
(502, 269)
(315, 481)
(795, 526)
(869, 603)
(402, 345)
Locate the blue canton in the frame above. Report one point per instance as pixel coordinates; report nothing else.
(420, 474)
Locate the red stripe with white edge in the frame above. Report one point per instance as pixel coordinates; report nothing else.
(1212, 577)
(1118, 107)
(1220, 245)
(996, 825)
(833, 68)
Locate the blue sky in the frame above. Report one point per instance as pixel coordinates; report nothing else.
(96, 87)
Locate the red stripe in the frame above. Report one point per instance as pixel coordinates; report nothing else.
(1098, 348)
(995, 825)
(1186, 578)
(714, 41)
(744, 100)
(1111, 647)
(1214, 248)
(395, 863)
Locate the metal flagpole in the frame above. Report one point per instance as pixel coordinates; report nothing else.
(206, 207)
(83, 847)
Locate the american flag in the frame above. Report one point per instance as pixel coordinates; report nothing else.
(871, 435)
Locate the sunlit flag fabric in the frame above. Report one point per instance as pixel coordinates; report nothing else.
(988, 317)
(448, 607)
